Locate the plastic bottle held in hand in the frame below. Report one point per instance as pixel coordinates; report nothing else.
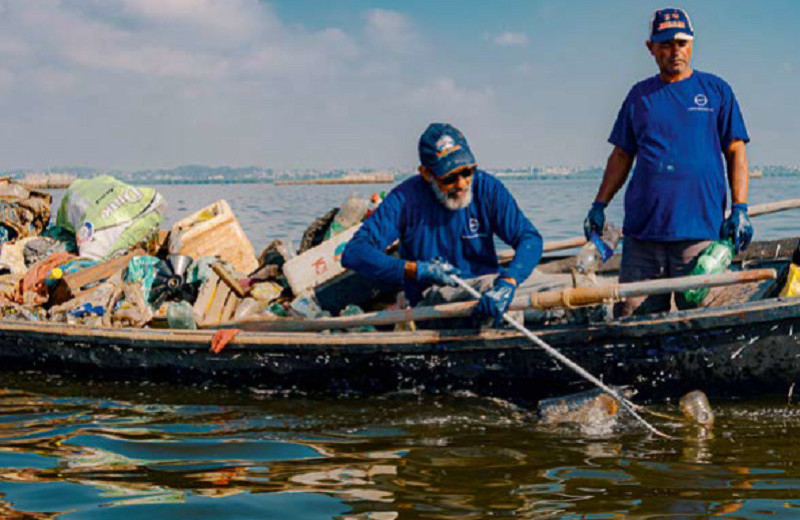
(792, 287)
(714, 259)
(598, 249)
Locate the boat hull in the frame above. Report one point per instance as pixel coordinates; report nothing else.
(739, 350)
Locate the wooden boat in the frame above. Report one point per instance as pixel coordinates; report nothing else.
(741, 347)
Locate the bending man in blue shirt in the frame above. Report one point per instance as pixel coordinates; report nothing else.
(450, 213)
(678, 126)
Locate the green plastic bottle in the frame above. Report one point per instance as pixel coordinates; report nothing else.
(714, 259)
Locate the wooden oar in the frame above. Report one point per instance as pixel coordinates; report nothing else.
(571, 297)
(755, 210)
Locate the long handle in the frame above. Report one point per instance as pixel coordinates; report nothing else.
(755, 210)
(568, 362)
(571, 297)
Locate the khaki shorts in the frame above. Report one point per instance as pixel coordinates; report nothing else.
(648, 260)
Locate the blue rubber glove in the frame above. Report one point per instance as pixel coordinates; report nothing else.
(738, 228)
(496, 300)
(596, 219)
(437, 272)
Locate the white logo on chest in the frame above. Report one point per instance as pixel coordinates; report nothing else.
(474, 225)
(700, 100)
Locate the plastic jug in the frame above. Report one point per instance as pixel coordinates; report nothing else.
(714, 259)
(598, 249)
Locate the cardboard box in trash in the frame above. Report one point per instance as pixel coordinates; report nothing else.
(318, 264)
(214, 231)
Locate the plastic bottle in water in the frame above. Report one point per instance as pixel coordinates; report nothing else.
(180, 315)
(696, 408)
(598, 249)
(714, 259)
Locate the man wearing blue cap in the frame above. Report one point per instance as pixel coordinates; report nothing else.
(678, 125)
(445, 219)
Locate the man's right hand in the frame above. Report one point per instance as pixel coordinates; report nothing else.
(436, 272)
(596, 219)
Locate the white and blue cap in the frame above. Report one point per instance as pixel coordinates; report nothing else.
(670, 23)
(442, 149)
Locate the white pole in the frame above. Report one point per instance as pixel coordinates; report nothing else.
(571, 364)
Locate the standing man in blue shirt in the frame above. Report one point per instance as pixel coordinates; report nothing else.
(678, 125)
(445, 219)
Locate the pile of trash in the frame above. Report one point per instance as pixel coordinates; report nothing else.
(106, 262)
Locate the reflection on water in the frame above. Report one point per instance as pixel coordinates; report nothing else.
(128, 453)
(85, 450)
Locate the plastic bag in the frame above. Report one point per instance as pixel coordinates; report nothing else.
(108, 215)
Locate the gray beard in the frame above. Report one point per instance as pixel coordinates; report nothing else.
(448, 202)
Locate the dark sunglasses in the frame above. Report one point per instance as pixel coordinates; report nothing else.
(452, 178)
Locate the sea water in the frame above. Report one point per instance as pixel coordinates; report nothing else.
(73, 449)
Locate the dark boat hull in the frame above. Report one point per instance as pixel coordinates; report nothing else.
(737, 350)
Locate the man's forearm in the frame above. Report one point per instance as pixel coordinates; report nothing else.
(617, 168)
(736, 162)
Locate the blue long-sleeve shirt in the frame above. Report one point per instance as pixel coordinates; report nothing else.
(427, 230)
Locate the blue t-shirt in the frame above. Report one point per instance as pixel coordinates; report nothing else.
(427, 230)
(677, 131)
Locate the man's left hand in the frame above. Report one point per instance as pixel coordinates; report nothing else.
(738, 227)
(494, 302)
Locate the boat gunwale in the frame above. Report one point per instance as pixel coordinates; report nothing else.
(680, 321)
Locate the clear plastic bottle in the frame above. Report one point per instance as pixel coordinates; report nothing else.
(351, 213)
(598, 249)
(696, 408)
(180, 315)
(714, 259)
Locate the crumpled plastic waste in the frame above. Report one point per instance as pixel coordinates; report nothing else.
(32, 288)
(131, 308)
(40, 248)
(12, 256)
(101, 296)
(63, 235)
(142, 270)
(87, 309)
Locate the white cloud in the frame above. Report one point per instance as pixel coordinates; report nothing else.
(444, 96)
(392, 31)
(510, 39)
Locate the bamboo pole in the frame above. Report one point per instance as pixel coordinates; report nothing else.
(569, 298)
(755, 210)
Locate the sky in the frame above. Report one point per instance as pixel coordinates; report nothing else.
(136, 84)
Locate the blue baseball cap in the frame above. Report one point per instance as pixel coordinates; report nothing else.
(670, 23)
(442, 149)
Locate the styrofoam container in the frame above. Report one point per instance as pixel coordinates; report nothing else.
(214, 231)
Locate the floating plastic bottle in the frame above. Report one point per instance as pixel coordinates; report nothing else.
(792, 287)
(695, 407)
(714, 259)
(180, 315)
(598, 249)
